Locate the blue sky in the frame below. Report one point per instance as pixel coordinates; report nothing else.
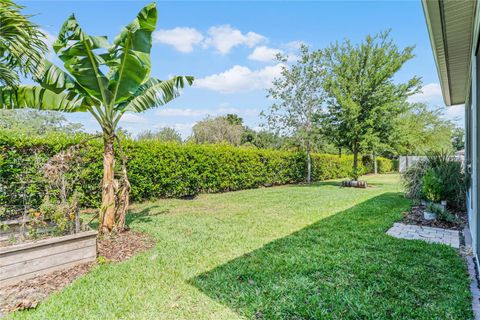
(228, 47)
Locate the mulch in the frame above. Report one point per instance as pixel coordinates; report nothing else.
(415, 216)
(28, 293)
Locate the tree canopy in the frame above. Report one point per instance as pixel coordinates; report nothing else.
(227, 129)
(363, 99)
(164, 134)
(298, 97)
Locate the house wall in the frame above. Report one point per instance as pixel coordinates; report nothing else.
(472, 139)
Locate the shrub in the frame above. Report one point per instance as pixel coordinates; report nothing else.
(446, 171)
(161, 169)
(385, 165)
(432, 186)
(412, 179)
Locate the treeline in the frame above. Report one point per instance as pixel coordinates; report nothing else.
(158, 169)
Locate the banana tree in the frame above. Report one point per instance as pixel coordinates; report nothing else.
(103, 79)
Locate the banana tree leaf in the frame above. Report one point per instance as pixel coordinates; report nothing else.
(154, 93)
(56, 80)
(36, 97)
(76, 49)
(130, 56)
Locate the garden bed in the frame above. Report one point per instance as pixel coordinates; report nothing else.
(28, 293)
(415, 217)
(31, 259)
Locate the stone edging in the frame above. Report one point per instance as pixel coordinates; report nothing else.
(473, 272)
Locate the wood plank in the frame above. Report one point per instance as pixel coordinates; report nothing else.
(37, 252)
(14, 280)
(39, 243)
(46, 262)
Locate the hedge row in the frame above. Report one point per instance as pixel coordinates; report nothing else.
(159, 170)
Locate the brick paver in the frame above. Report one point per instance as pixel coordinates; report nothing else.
(429, 234)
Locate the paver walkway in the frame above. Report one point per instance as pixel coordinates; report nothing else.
(429, 234)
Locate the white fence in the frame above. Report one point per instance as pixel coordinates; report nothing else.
(405, 162)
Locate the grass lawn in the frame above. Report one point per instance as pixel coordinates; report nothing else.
(293, 252)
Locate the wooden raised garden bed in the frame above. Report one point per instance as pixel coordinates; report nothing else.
(26, 260)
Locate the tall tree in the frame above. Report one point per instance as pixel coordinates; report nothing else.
(36, 122)
(420, 130)
(363, 99)
(22, 46)
(219, 129)
(85, 86)
(298, 97)
(164, 134)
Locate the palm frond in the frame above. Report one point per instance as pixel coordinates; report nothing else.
(8, 77)
(22, 45)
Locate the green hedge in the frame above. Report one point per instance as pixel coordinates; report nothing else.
(159, 170)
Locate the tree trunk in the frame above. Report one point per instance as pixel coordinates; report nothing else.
(355, 165)
(309, 164)
(107, 217)
(374, 157)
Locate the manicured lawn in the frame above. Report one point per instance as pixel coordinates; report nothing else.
(294, 252)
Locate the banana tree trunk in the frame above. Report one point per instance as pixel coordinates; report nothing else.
(107, 220)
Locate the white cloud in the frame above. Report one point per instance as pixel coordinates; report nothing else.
(178, 112)
(294, 45)
(456, 114)
(133, 118)
(224, 38)
(182, 39)
(264, 54)
(240, 79)
(431, 93)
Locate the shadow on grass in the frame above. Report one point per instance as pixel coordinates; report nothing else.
(344, 267)
(144, 215)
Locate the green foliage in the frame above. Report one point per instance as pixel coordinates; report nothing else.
(440, 177)
(158, 169)
(35, 122)
(447, 216)
(364, 100)
(432, 186)
(458, 139)
(221, 129)
(298, 97)
(165, 134)
(385, 165)
(22, 45)
(450, 172)
(419, 131)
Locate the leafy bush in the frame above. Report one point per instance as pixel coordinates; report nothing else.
(161, 169)
(432, 186)
(384, 165)
(444, 171)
